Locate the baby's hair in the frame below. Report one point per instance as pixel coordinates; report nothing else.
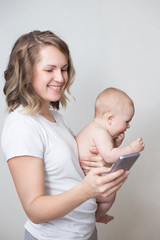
(18, 75)
(109, 99)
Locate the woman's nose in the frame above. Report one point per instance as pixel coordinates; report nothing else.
(58, 76)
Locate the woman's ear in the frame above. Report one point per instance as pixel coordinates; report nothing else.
(109, 117)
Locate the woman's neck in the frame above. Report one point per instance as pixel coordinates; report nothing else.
(47, 114)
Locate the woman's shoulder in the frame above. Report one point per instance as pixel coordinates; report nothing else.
(21, 121)
(19, 125)
(21, 135)
(17, 117)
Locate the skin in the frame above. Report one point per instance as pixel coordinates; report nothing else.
(88, 163)
(49, 79)
(106, 134)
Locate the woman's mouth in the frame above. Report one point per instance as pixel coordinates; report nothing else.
(57, 88)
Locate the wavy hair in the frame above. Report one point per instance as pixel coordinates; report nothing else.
(19, 73)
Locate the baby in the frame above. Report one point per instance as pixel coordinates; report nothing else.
(113, 112)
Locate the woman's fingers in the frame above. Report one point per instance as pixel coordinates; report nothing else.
(111, 184)
(93, 161)
(115, 176)
(94, 151)
(100, 183)
(92, 164)
(92, 158)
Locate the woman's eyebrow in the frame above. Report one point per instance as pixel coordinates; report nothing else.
(51, 65)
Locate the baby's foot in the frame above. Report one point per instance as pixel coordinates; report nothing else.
(105, 219)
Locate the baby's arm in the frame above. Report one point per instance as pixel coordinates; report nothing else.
(89, 162)
(109, 153)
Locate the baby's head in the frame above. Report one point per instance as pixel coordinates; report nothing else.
(115, 108)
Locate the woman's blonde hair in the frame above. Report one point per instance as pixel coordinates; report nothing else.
(18, 75)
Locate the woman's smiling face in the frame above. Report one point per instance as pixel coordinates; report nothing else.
(50, 74)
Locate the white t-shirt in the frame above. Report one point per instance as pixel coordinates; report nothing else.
(53, 142)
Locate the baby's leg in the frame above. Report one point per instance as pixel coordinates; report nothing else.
(104, 204)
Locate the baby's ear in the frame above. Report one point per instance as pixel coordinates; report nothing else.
(109, 117)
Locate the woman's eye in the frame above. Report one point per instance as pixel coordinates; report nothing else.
(48, 70)
(64, 70)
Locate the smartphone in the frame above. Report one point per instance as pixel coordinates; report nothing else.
(125, 162)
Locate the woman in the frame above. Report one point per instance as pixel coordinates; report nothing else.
(39, 147)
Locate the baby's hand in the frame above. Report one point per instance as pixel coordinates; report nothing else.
(119, 139)
(137, 145)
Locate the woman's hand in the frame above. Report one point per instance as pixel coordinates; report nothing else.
(90, 162)
(98, 183)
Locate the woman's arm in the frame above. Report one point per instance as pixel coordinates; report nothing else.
(28, 176)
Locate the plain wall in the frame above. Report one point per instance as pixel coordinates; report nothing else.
(113, 43)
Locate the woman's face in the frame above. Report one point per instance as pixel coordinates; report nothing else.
(50, 74)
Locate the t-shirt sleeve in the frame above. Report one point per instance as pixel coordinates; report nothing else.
(21, 138)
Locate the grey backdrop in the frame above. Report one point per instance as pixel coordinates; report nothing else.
(113, 43)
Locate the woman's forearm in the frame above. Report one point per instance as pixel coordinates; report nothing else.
(46, 208)
(28, 176)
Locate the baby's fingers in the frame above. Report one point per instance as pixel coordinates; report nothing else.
(140, 140)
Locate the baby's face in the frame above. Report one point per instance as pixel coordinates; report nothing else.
(121, 119)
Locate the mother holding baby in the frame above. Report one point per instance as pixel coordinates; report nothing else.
(58, 199)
